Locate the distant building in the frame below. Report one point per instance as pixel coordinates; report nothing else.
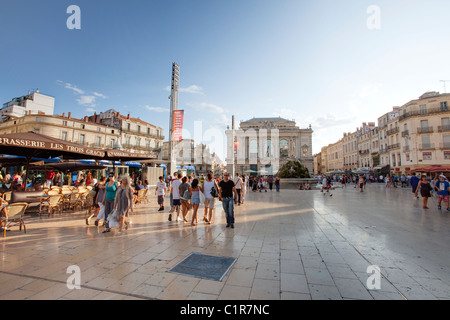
(263, 145)
(32, 103)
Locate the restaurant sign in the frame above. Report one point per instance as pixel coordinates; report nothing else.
(50, 146)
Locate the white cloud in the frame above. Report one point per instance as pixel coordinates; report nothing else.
(87, 101)
(209, 107)
(90, 110)
(100, 95)
(73, 88)
(191, 89)
(157, 109)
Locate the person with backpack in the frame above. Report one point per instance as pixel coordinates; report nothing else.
(210, 195)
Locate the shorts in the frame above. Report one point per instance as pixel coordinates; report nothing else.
(176, 202)
(195, 200)
(443, 198)
(210, 203)
(160, 199)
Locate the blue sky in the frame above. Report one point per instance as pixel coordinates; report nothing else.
(313, 61)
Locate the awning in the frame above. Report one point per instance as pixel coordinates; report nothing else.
(30, 145)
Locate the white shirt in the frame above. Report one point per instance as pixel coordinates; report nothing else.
(160, 188)
(176, 191)
(238, 182)
(207, 187)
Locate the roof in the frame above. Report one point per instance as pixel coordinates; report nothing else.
(268, 119)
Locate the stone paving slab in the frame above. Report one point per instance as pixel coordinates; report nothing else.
(292, 245)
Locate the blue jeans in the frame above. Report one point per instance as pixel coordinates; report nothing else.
(228, 207)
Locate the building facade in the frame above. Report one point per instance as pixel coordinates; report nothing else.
(424, 137)
(33, 103)
(263, 145)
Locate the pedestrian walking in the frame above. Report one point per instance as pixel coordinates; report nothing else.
(124, 202)
(160, 192)
(175, 193)
(277, 183)
(110, 197)
(210, 201)
(228, 196)
(414, 181)
(443, 191)
(425, 190)
(238, 185)
(100, 200)
(185, 199)
(194, 191)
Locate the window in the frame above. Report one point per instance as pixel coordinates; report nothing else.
(82, 139)
(148, 131)
(284, 149)
(444, 106)
(253, 149)
(83, 126)
(99, 129)
(423, 109)
(268, 148)
(139, 129)
(446, 138)
(147, 144)
(424, 125)
(127, 141)
(138, 142)
(64, 135)
(98, 141)
(447, 155)
(426, 141)
(65, 123)
(128, 126)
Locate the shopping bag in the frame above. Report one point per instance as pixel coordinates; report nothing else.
(202, 197)
(113, 221)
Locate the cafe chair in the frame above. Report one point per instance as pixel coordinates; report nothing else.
(7, 196)
(53, 203)
(13, 216)
(141, 196)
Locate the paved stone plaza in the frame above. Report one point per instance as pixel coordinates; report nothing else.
(288, 245)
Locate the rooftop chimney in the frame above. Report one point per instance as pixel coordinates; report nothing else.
(68, 116)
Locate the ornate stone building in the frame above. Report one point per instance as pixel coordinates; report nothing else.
(263, 145)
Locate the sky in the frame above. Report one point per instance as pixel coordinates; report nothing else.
(331, 64)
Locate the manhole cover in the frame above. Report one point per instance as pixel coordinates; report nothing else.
(204, 266)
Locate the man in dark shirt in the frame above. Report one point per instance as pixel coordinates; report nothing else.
(414, 183)
(228, 196)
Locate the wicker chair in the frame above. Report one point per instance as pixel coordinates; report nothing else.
(74, 201)
(141, 196)
(53, 203)
(13, 216)
(7, 196)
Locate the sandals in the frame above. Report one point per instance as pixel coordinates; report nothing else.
(107, 230)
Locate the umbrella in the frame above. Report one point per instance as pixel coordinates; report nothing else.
(72, 166)
(250, 171)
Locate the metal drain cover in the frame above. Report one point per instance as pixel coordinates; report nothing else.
(204, 266)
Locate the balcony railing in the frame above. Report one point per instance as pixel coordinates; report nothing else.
(445, 128)
(406, 148)
(405, 133)
(392, 131)
(364, 151)
(394, 146)
(425, 130)
(427, 146)
(423, 112)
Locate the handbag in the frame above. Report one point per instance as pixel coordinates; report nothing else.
(214, 192)
(186, 195)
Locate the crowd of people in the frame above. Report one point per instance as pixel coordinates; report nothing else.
(422, 184)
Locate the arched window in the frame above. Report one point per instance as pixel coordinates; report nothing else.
(268, 151)
(253, 149)
(284, 149)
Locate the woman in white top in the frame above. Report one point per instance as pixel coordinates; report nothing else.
(206, 188)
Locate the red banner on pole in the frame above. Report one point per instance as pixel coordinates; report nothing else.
(178, 116)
